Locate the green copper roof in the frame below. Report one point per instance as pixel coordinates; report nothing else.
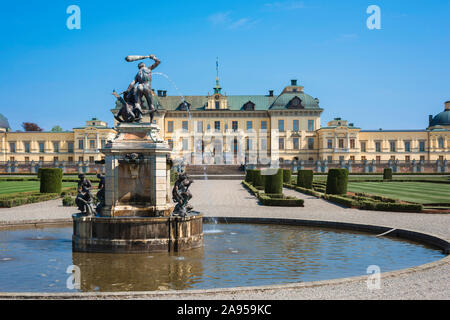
(236, 103)
(441, 119)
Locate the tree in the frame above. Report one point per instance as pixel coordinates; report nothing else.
(30, 126)
(57, 129)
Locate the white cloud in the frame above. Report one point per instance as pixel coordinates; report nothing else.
(219, 18)
(285, 5)
(224, 19)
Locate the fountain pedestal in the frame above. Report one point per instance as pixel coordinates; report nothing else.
(136, 216)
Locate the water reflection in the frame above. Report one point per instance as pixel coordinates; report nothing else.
(138, 272)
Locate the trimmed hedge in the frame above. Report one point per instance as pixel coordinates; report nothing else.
(69, 201)
(258, 179)
(387, 174)
(249, 175)
(348, 202)
(386, 206)
(274, 183)
(51, 180)
(305, 178)
(287, 175)
(337, 181)
(276, 200)
(9, 202)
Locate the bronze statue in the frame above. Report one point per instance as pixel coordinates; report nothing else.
(84, 199)
(129, 112)
(100, 193)
(141, 85)
(181, 195)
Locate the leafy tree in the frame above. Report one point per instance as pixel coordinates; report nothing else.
(30, 126)
(57, 129)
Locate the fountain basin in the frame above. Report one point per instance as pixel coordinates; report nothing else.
(136, 234)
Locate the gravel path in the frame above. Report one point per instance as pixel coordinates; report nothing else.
(227, 198)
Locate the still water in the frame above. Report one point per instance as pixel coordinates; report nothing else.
(36, 260)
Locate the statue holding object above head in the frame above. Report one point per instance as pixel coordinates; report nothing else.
(141, 85)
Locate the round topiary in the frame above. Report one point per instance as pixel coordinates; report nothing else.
(337, 181)
(305, 178)
(287, 174)
(387, 174)
(249, 175)
(274, 183)
(51, 180)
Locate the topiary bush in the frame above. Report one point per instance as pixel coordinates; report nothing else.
(337, 181)
(51, 180)
(287, 175)
(249, 175)
(258, 179)
(69, 201)
(274, 183)
(387, 174)
(305, 179)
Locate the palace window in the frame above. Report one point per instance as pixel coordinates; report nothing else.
(41, 159)
(91, 159)
(27, 147)
(248, 144)
(55, 159)
(421, 146)
(217, 105)
(407, 146)
(92, 144)
(281, 143)
(281, 125)
(70, 147)
(392, 146)
(103, 142)
(234, 125)
(185, 144)
(263, 144)
(440, 143)
(249, 106)
(185, 126)
(263, 125)
(352, 143)
(80, 159)
(378, 146)
(217, 125)
(330, 144)
(422, 158)
(407, 158)
(249, 125)
(81, 144)
(341, 143)
(41, 147)
(296, 125)
(170, 142)
(296, 143)
(311, 143)
(352, 159)
(363, 146)
(56, 147)
(310, 125)
(12, 147)
(27, 159)
(169, 126)
(70, 159)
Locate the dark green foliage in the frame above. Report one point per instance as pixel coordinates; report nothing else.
(68, 201)
(348, 202)
(274, 183)
(305, 179)
(16, 200)
(287, 174)
(387, 174)
(278, 200)
(337, 181)
(51, 180)
(258, 179)
(173, 177)
(249, 175)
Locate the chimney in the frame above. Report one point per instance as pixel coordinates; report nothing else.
(430, 118)
(447, 105)
(164, 93)
(270, 93)
(159, 93)
(294, 82)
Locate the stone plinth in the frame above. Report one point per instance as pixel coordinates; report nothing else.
(137, 176)
(136, 234)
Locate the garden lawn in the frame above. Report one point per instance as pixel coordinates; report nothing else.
(418, 192)
(8, 187)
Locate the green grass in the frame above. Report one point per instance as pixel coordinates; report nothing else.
(323, 178)
(418, 192)
(9, 187)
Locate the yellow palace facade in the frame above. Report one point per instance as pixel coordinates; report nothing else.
(218, 129)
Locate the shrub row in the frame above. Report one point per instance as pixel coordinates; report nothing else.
(303, 190)
(386, 206)
(18, 201)
(276, 200)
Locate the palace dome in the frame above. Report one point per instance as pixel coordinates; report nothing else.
(4, 122)
(443, 118)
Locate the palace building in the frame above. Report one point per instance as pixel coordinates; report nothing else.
(233, 130)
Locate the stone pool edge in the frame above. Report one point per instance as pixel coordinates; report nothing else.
(420, 237)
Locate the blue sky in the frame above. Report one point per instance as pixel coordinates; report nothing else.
(391, 78)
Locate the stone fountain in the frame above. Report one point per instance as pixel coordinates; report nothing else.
(136, 213)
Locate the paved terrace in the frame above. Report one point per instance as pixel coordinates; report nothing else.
(227, 198)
